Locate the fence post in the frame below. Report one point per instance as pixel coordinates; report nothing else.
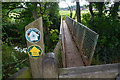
(36, 64)
(50, 66)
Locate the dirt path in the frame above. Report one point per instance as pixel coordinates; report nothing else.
(73, 58)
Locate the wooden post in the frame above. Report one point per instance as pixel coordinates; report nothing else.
(50, 66)
(63, 43)
(36, 64)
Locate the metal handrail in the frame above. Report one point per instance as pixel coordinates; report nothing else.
(85, 39)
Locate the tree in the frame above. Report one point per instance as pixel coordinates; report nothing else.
(106, 24)
(15, 16)
(99, 6)
(90, 9)
(25, 13)
(35, 12)
(78, 11)
(71, 9)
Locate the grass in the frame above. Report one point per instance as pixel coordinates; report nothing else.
(68, 13)
(82, 12)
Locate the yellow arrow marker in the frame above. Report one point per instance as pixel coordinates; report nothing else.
(35, 51)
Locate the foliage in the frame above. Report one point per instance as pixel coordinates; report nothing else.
(105, 22)
(54, 15)
(15, 16)
(12, 60)
(107, 50)
(53, 38)
(19, 16)
(59, 57)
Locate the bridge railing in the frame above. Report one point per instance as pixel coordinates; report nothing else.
(85, 38)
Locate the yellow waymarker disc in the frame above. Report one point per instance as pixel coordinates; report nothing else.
(34, 51)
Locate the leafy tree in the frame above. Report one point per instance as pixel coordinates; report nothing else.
(15, 17)
(71, 9)
(107, 26)
(99, 6)
(114, 10)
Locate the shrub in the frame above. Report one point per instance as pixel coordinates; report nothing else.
(107, 50)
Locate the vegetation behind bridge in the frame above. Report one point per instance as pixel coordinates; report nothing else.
(15, 16)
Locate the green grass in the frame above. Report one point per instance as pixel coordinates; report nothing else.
(82, 12)
(68, 12)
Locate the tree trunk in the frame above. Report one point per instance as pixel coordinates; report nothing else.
(90, 9)
(70, 8)
(115, 10)
(100, 8)
(35, 13)
(70, 13)
(78, 11)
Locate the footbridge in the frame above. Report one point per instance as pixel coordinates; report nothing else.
(76, 46)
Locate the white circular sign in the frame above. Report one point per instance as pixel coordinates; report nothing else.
(33, 35)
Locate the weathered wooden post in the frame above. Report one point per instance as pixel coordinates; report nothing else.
(50, 66)
(63, 42)
(35, 43)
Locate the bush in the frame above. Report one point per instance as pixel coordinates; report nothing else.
(12, 60)
(52, 40)
(107, 50)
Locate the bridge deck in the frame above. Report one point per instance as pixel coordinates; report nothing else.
(73, 57)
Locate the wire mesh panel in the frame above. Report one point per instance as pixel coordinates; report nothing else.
(85, 38)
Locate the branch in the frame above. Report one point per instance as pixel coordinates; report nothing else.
(15, 8)
(40, 7)
(44, 9)
(35, 13)
(15, 65)
(69, 7)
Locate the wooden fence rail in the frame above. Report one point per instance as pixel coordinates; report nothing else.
(103, 72)
(96, 72)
